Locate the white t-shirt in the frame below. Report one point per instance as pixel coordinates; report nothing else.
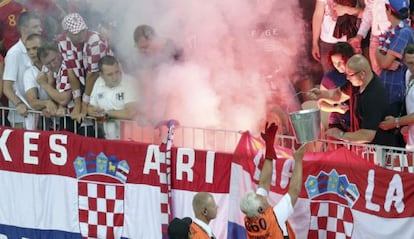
(409, 104)
(328, 25)
(374, 17)
(15, 64)
(113, 99)
(30, 81)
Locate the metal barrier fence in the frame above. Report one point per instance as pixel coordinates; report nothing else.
(219, 140)
(35, 121)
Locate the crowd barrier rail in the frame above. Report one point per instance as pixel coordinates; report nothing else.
(395, 158)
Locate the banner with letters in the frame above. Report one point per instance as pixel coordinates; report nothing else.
(61, 185)
(343, 196)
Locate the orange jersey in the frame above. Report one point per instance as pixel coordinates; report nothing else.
(266, 226)
(197, 232)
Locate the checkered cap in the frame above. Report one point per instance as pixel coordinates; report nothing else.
(74, 23)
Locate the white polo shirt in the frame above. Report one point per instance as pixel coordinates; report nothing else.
(113, 99)
(30, 81)
(15, 64)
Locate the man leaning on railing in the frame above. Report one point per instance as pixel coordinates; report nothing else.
(55, 82)
(113, 97)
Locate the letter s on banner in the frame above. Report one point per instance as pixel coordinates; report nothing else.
(60, 156)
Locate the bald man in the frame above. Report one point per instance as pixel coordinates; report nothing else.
(368, 104)
(205, 210)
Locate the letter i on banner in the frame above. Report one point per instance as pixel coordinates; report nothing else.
(165, 173)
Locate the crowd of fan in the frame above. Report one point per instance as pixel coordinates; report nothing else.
(363, 47)
(53, 62)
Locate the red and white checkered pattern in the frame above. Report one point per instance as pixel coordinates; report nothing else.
(83, 59)
(330, 220)
(165, 178)
(101, 209)
(73, 23)
(62, 84)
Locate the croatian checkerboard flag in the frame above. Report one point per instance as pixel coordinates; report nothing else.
(330, 220)
(101, 207)
(101, 196)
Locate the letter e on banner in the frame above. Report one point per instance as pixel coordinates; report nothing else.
(29, 147)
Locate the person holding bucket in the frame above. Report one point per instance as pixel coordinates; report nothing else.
(339, 116)
(263, 220)
(368, 104)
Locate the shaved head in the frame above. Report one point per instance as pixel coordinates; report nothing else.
(359, 62)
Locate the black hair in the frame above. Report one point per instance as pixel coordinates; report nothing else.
(144, 31)
(403, 13)
(344, 49)
(409, 49)
(43, 50)
(107, 60)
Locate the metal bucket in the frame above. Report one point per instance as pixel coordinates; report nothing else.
(306, 125)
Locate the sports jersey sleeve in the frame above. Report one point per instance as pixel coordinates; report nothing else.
(67, 51)
(283, 209)
(94, 52)
(62, 80)
(262, 192)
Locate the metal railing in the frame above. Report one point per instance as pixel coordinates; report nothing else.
(36, 121)
(399, 159)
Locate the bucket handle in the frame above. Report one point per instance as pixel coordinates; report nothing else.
(295, 95)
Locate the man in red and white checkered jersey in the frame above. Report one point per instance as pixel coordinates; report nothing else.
(55, 82)
(81, 50)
